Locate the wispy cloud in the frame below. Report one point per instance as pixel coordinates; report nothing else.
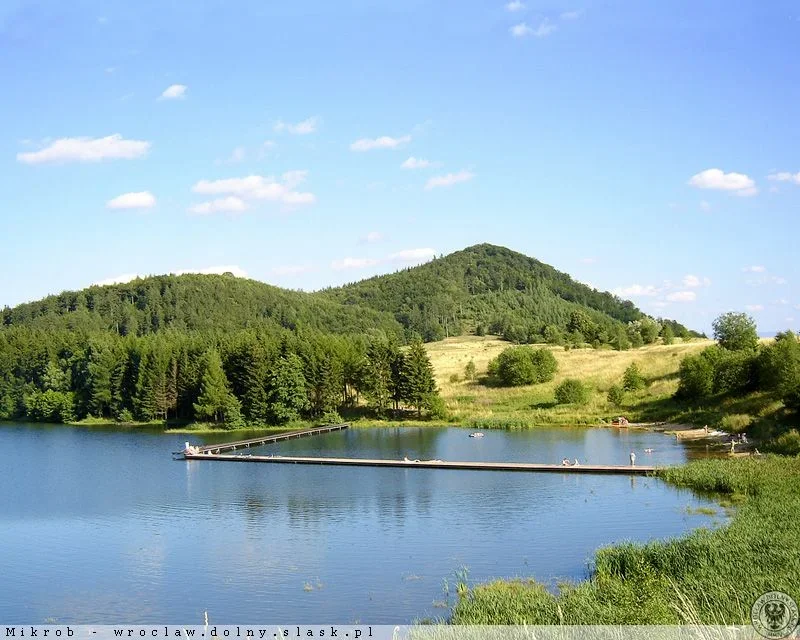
(545, 28)
(133, 200)
(239, 154)
(383, 142)
(682, 296)
(240, 192)
(174, 92)
(636, 290)
(229, 204)
(413, 255)
(737, 183)
(756, 268)
(705, 206)
(372, 237)
(692, 282)
(218, 270)
(113, 147)
(754, 307)
(353, 263)
(449, 179)
(572, 15)
(514, 6)
(418, 163)
(300, 128)
(785, 176)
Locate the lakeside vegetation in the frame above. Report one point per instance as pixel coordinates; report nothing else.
(706, 577)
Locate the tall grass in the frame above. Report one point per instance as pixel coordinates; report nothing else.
(707, 576)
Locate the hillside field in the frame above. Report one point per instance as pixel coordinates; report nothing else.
(477, 404)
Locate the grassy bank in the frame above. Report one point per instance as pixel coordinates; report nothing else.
(710, 577)
(476, 404)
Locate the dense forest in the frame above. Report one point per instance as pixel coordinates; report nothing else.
(490, 289)
(228, 350)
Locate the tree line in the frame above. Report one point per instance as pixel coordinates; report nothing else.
(249, 376)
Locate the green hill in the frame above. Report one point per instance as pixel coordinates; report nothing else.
(193, 302)
(493, 289)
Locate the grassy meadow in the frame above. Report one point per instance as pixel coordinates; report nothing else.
(480, 405)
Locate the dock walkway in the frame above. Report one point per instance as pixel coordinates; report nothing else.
(431, 464)
(258, 442)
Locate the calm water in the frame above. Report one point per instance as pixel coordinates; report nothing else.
(101, 526)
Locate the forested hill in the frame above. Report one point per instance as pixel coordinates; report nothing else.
(193, 302)
(493, 289)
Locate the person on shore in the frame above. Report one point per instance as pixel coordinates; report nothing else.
(705, 428)
(576, 463)
(633, 459)
(565, 462)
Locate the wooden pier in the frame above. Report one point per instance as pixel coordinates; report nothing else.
(430, 464)
(258, 442)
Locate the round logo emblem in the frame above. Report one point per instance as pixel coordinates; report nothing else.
(774, 615)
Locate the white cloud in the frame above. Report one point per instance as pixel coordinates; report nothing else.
(785, 176)
(514, 6)
(636, 290)
(544, 29)
(449, 179)
(520, 30)
(128, 277)
(238, 155)
(417, 163)
(383, 142)
(413, 255)
(692, 282)
(682, 296)
(372, 236)
(301, 128)
(121, 279)
(133, 200)
(572, 15)
(230, 204)
(240, 191)
(353, 263)
(174, 92)
(705, 205)
(756, 268)
(754, 307)
(113, 147)
(781, 301)
(738, 183)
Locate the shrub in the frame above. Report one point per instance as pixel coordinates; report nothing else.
(125, 416)
(616, 395)
(437, 409)
(736, 422)
(470, 372)
(454, 378)
(696, 378)
(518, 366)
(633, 380)
(572, 391)
(331, 417)
(733, 370)
(787, 444)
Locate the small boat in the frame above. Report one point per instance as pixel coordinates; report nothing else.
(648, 451)
(477, 434)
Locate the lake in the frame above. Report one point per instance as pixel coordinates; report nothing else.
(100, 525)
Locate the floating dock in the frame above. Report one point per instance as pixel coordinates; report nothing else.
(430, 464)
(258, 442)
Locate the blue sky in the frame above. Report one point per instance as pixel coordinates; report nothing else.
(650, 149)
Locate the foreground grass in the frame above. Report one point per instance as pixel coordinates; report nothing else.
(708, 576)
(478, 405)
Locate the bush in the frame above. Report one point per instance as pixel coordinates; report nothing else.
(331, 417)
(455, 378)
(733, 370)
(616, 395)
(470, 372)
(572, 391)
(125, 416)
(517, 366)
(787, 444)
(633, 380)
(696, 378)
(736, 422)
(437, 409)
